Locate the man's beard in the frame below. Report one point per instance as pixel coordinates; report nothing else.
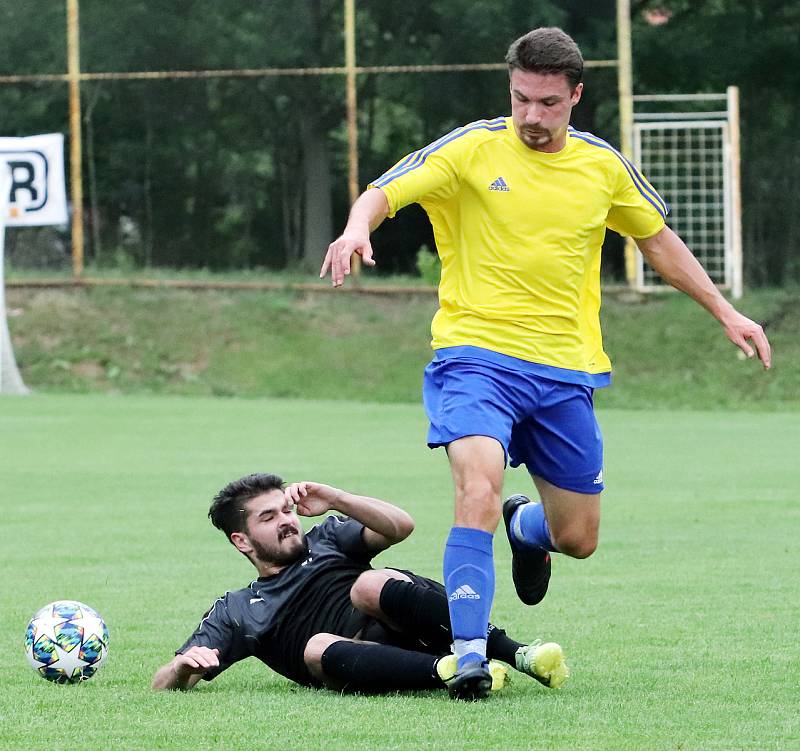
(279, 555)
(535, 138)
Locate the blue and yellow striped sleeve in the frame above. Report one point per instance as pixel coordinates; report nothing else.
(636, 209)
(432, 174)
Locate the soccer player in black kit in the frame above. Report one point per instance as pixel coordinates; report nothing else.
(319, 614)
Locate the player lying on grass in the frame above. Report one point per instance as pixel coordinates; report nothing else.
(318, 613)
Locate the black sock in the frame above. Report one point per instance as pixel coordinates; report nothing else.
(418, 611)
(499, 646)
(422, 612)
(377, 668)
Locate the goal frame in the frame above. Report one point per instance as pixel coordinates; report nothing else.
(700, 118)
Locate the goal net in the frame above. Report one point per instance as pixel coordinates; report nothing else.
(10, 379)
(691, 157)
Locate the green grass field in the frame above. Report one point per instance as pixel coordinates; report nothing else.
(681, 630)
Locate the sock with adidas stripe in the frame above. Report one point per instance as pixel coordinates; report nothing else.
(422, 612)
(469, 582)
(529, 527)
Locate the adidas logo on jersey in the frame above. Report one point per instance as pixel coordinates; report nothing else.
(500, 185)
(464, 592)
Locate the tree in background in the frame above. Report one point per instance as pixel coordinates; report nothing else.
(245, 173)
(706, 45)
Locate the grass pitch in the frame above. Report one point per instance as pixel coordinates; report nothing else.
(681, 630)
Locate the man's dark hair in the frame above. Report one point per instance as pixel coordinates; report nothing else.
(228, 511)
(547, 50)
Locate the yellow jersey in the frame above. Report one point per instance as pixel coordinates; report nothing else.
(519, 234)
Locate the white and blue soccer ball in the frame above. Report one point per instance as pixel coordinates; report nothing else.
(66, 642)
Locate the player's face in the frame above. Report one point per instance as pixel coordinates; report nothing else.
(541, 104)
(273, 529)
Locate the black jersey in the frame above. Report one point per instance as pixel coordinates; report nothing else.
(275, 616)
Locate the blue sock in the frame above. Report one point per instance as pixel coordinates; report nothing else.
(529, 527)
(469, 581)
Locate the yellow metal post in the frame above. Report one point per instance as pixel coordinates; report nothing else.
(352, 111)
(737, 281)
(76, 183)
(625, 89)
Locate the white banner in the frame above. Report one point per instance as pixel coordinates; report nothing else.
(38, 195)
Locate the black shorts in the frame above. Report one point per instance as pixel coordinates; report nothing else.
(355, 625)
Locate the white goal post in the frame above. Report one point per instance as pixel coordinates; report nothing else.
(691, 156)
(10, 379)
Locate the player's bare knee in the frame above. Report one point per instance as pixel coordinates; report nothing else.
(365, 594)
(585, 548)
(315, 648)
(576, 543)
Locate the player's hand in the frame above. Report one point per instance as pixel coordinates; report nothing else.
(341, 250)
(312, 498)
(742, 332)
(195, 661)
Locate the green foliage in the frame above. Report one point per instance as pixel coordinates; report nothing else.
(667, 351)
(681, 629)
(709, 45)
(221, 173)
(429, 266)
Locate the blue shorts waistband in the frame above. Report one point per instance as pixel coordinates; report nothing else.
(551, 372)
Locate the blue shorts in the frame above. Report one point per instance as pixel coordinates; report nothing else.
(549, 426)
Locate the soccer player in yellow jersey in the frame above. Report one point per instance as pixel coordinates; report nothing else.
(519, 207)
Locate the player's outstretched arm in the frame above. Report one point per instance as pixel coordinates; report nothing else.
(670, 257)
(369, 210)
(185, 670)
(384, 523)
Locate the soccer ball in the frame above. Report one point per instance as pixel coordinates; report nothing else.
(66, 642)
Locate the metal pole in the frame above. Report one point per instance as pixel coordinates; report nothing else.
(5, 188)
(10, 379)
(76, 183)
(625, 90)
(352, 112)
(737, 281)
